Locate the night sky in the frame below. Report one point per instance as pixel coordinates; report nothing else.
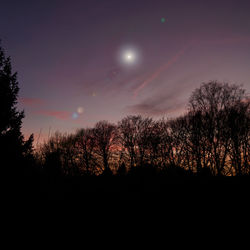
(81, 61)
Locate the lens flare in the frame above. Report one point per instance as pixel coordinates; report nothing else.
(80, 110)
(75, 115)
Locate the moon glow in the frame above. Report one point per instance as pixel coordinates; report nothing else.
(128, 56)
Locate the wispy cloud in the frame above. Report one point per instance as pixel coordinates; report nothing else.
(179, 54)
(159, 105)
(170, 99)
(62, 115)
(31, 101)
(158, 71)
(154, 110)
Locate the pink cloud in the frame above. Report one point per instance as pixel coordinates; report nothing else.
(31, 101)
(62, 115)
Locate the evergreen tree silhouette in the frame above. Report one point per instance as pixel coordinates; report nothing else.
(14, 150)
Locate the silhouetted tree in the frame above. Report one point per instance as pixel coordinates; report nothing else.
(210, 106)
(134, 133)
(85, 144)
(154, 140)
(238, 124)
(127, 132)
(144, 136)
(52, 157)
(105, 137)
(13, 148)
(177, 137)
(162, 143)
(69, 155)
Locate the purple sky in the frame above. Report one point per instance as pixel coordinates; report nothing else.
(66, 54)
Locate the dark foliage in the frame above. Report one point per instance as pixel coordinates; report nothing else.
(16, 154)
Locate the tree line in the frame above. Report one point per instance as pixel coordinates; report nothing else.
(210, 139)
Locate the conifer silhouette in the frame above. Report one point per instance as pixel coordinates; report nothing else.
(14, 150)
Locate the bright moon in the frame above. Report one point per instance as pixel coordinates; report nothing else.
(129, 57)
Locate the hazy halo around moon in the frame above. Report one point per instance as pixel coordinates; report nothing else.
(128, 56)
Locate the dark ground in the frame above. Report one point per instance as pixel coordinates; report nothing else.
(150, 189)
